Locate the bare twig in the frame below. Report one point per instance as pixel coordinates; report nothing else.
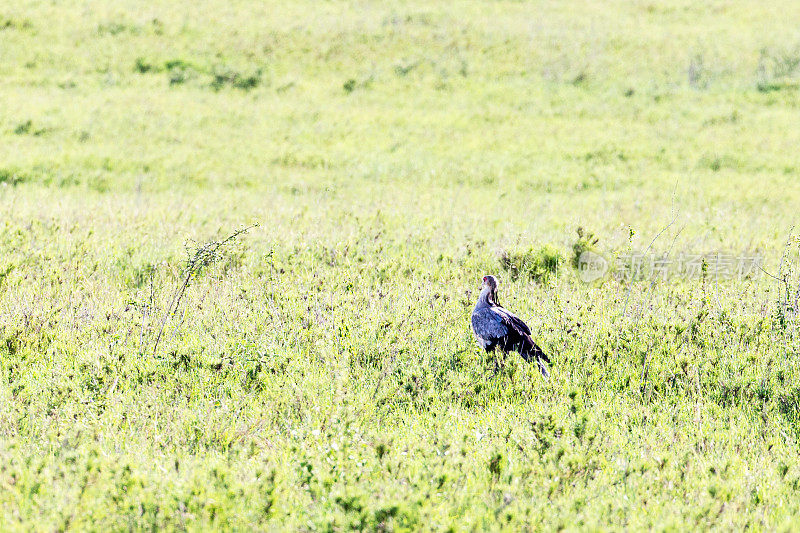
(785, 299)
(145, 308)
(202, 257)
(776, 278)
(665, 228)
(797, 293)
(653, 283)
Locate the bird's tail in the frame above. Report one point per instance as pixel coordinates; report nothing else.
(534, 353)
(543, 368)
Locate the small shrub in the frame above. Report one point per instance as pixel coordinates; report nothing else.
(404, 69)
(143, 66)
(7, 23)
(179, 71)
(11, 177)
(225, 76)
(496, 465)
(586, 242)
(777, 70)
(26, 128)
(23, 128)
(352, 84)
(113, 28)
(5, 271)
(537, 264)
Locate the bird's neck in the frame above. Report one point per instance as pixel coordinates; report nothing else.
(487, 298)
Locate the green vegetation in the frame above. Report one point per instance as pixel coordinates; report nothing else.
(538, 264)
(318, 372)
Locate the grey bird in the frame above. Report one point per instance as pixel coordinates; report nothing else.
(496, 327)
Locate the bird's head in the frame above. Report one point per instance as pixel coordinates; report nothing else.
(491, 282)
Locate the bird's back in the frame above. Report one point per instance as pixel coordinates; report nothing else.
(488, 324)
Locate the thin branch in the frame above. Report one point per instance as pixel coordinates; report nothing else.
(202, 257)
(776, 278)
(665, 228)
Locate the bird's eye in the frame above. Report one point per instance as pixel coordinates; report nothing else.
(484, 278)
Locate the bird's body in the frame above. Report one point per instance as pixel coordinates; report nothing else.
(497, 327)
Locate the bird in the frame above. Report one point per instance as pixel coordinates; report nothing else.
(496, 327)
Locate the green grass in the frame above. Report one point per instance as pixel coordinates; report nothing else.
(322, 374)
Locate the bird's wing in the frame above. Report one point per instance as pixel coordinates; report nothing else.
(487, 324)
(515, 324)
(513, 321)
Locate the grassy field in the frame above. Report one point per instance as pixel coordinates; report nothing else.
(319, 372)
